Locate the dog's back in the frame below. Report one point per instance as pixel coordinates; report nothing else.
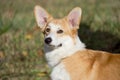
(93, 65)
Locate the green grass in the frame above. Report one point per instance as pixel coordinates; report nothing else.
(21, 42)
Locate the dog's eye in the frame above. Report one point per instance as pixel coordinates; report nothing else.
(47, 30)
(60, 31)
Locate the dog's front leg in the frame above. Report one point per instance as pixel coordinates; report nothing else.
(59, 73)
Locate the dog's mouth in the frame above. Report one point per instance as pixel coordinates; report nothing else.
(54, 46)
(60, 45)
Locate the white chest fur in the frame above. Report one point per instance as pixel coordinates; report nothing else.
(59, 73)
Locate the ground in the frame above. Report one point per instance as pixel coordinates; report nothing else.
(21, 42)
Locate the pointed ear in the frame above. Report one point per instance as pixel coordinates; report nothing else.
(41, 16)
(74, 17)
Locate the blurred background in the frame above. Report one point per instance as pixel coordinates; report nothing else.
(21, 42)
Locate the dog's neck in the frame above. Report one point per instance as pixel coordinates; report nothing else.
(54, 56)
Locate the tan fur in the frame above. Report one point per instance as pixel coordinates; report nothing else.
(93, 65)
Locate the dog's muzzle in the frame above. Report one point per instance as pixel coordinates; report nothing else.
(49, 40)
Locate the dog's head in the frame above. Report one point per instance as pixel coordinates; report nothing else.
(58, 32)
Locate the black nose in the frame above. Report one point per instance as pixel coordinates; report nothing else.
(48, 40)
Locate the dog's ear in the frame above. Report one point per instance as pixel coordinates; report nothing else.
(74, 17)
(42, 17)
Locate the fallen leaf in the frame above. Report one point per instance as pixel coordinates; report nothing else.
(42, 74)
(24, 53)
(28, 36)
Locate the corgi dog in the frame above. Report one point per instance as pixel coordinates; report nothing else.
(66, 54)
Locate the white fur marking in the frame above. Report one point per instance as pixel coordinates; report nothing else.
(59, 73)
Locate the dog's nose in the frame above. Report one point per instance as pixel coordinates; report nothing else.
(48, 40)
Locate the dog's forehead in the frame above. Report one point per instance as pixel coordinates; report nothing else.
(54, 25)
(58, 24)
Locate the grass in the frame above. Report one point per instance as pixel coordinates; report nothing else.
(21, 42)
